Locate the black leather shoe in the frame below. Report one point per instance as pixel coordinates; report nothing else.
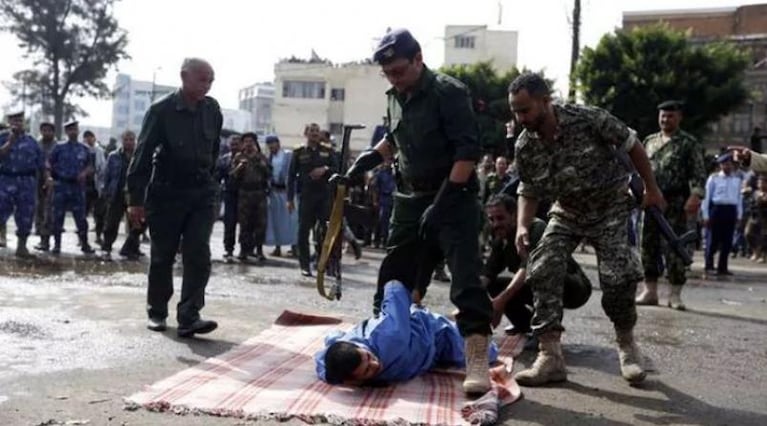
(306, 272)
(200, 326)
(156, 324)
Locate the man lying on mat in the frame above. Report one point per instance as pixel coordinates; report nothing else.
(404, 341)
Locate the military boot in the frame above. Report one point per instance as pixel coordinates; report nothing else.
(56, 244)
(44, 244)
(649, 295)
(84, 246)
(3, 241)
(549, 365)
(629, 356)
(675, 298)
(477, 379)
(21, 248)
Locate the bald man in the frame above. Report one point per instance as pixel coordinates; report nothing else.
(172, 186)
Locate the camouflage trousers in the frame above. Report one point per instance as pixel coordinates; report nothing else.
(655, 249)
(617, 261)
(17, 198)
(251, 215)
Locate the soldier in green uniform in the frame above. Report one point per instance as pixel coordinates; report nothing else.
(251, 173)
(433, 133)
(567, 153)
(172, 176)
(677, 162)
(310, 167)
(496, 180)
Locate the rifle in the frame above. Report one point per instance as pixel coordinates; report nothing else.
(330, 256)
(678, 244)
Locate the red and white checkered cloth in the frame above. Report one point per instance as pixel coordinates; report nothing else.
(271, 376)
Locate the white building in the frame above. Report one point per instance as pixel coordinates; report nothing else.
(237, 120)
(132, 99)
(330, 95)
(469, 44)
(259, 100)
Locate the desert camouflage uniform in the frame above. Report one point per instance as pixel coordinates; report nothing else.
(579, 170)
(679, 170)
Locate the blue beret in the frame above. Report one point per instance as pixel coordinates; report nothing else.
(671, 105)
(395, 44)
(272, 139)
(724, 158)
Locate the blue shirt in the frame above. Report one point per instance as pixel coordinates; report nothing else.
(407, 339)
(114, 173)
(722, 189)
(24, 158)
(385, 184)
(69, 159)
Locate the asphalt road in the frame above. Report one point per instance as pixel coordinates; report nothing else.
(74, 343)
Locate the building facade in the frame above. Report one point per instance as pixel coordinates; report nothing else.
(131, 101)
(258, 99)
(744, 26)
(469, 44)
(318, 91)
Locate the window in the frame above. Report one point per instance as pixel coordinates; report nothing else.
(336, 128)
(337, 94)
(464, 42)
(303, 89)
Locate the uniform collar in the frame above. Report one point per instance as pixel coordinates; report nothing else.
(425, 81)
(183, 106)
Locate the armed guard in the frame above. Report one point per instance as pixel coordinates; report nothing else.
(310, 167)
(70, 164)
(21, 159)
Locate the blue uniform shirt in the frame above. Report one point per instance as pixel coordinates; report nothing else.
(407, 339)
(24, 158)
(69, 159)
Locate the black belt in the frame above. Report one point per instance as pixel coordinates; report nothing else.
(18, 174)
(278, 186)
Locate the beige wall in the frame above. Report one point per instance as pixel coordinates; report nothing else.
(364, 103)
(498, 46)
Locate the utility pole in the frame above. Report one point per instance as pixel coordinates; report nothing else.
(576, 48)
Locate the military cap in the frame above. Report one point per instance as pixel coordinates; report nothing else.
(15, 114)
(47, 124)
(395, 44)
(671, 105)
(71, 123)
(724, 158)
(272, 139)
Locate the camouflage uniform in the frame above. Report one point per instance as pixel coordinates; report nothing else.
(679, 170)
(252, 183)
(580, 171)
(44, 207)
(67, 161)
(18, 182)
(493, 185)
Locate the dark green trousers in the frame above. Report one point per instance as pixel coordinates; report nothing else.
(185, 216)
(411, 260)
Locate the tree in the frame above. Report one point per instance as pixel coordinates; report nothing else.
(575, 49)
(71, 45)
(489, 92)
(630, 72)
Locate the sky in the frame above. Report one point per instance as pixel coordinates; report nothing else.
(244, 38)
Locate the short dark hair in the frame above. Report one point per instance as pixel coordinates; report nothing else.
(48, 125)
(505, 200)
(88, 133)
(534, 83)
(341, 359)
(251, 135)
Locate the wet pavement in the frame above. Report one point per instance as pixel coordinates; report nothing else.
(74, 344)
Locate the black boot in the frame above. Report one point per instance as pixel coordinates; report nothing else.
(45, 244)
(260, 253)
(21, 248)
(356, 248)
(56, 244)
(84, 246)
